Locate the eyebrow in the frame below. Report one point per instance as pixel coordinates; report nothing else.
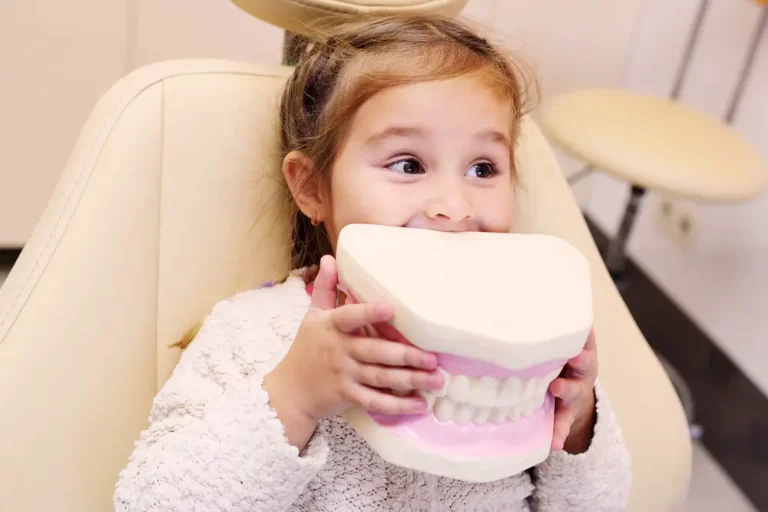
(411, 131)
(395, 131)
(495, 136)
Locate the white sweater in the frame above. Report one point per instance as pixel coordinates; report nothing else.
(215, 444)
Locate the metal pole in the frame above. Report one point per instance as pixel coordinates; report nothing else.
(586, 171)
(693, 38)
(746, 68)
(616, 257)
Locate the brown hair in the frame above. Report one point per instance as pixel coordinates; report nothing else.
(337, 73)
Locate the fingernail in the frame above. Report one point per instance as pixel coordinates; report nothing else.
(429, 361)
(418, 404)
(382, 310)
(435, 380)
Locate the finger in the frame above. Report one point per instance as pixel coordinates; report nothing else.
(585, 363)
(399, 379)
(348, 298)
(351, 317)
(377, 401)
(568, 390)
(383, 352)
(368, 331)
(388, 332)
(591, 343)
(324, 289)
(564, 418)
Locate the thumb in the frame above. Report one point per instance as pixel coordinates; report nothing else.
(324, 291)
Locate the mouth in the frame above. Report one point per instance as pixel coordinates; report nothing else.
(480, 392)
(486, 422)
(501, 339)
(480, 400)
(477, 429)
(483, 409)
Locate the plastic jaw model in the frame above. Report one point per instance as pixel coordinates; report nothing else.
(503, 312)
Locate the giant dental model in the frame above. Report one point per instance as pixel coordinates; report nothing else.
(504, 312)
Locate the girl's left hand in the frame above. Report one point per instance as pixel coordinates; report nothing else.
(575, 403)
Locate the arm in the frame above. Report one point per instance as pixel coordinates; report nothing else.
(214, 442)
(594, 481)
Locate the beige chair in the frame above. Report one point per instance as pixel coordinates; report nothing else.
(169, 203)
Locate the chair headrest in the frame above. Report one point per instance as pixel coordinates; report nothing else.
(299, 15)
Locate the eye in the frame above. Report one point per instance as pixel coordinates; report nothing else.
(482, 170)
(407, 166)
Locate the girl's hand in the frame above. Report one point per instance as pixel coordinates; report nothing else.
(333, 365)
(575, 404)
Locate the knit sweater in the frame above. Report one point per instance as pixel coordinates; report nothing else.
(215, 444)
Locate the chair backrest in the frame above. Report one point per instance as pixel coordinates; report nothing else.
(172, 200)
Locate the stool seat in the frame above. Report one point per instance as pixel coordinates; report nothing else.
(657, 144)
(300, 15)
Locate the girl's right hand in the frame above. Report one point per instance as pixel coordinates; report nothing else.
(331, 366)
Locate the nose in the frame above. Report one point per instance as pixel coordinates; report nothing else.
(449, 209)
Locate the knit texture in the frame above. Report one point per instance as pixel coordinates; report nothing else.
(215, 444)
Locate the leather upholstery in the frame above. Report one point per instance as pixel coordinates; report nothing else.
(172, 200)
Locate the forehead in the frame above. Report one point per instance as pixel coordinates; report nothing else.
(464, 103)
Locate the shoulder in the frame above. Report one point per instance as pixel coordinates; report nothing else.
(273, 309)
(261, 304)
(251, 327)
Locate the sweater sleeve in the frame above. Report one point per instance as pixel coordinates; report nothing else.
(597, 480)
(214, 442)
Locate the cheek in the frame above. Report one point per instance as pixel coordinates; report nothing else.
(361, 195)
(350, 193)
(497, 213)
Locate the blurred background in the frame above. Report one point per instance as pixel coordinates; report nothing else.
(700, 295)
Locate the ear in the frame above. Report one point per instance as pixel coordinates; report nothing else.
(307, 190)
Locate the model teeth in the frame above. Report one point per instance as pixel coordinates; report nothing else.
(444, 409)
(459, 390)
(499, 415)
(464, 414)
(465, 400)
(482, 414)
(510, 391)
(485, 391)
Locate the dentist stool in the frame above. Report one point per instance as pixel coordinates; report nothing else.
(658, 144)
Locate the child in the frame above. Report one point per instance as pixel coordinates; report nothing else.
(404, 121)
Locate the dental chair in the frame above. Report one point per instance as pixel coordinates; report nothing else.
(171, 201)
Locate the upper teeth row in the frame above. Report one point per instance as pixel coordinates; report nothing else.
(490, 392)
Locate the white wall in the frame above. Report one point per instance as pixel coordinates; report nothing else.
(57, 59)
(179, 29)
(722, 280)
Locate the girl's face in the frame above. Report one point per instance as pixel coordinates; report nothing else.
(432, 155)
